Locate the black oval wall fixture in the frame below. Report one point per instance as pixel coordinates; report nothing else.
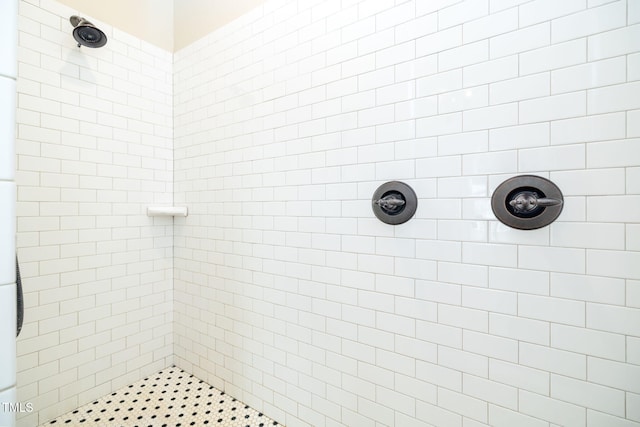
(527, 202)
(394, 202)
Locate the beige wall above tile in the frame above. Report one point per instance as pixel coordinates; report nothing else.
(169, 24)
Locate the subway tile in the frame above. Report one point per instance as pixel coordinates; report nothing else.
(632, 236)
(375, 264)
(437, 414)
(633, 403)
(465, 405)
(519, 376)
(552, 360)
(613, 98)
(438, 167)
(553, 57)
(439, 125)
(551, 309)
(462, 12)
(439, 41)
(633, 128)
(553, 410)
(587, 394)
(590, 75)
(390, 170)
(416, 309)
(416, 27)
(633, 14)
(633, 67)
(462, 187)
(395, 246)
(493, 301)
(293, 240)
(477, 209)
(489, 163)
(606, 290)
(522, 40)
(590, 182)
(588, 235)
(518, 280)
(396, 54)
(499, 416)
(463, 361)
(597, 418)
(588, 22)
(632, 180)
(378, 78)
(396, 324)
(462, 231)
(514, 137)
(553, 108)
(546, 10)
(462, 317)
(492, 71)
(587, 341)
(498, 5)
(463, 143)
(465, 99)
(490, 117)
(612, 208)
(440, 208)
(467, 54)
(417, 229)
(490, 345)
(493, 392)
(439, 83)
(416, 108)
(490, 25)
(612, 318)
(395, 93)
(613, 263)
(463, 274)
(415, 268)
(613, 43)
(518, 89)
(633, 350)
(375, 42)
(438, 292)
(589, 128)
(438, 334)
(562, 157)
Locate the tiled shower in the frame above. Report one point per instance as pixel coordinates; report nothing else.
(281, 287)
(8, 308)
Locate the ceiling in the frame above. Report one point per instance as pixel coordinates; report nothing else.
(169, 24)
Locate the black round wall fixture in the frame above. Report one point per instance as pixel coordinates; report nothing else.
(394, 202)
(527, 202)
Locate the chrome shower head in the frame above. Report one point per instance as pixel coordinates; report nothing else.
(87, 34)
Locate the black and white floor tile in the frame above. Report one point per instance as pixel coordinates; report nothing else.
(170, 398)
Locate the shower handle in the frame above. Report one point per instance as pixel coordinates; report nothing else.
(527, 201)
(390, 203)
(19, 300)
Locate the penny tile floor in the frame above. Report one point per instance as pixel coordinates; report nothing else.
(169, 398)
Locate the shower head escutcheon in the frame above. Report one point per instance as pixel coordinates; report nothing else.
(87, 34)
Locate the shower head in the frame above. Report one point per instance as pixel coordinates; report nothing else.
(86, 34)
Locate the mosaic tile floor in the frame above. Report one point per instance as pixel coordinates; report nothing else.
(169, 398)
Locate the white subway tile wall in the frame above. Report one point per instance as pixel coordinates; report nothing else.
(292, 296)
(281, 287)
(94, 148)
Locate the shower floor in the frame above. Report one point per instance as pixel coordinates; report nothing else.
(169, 398)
